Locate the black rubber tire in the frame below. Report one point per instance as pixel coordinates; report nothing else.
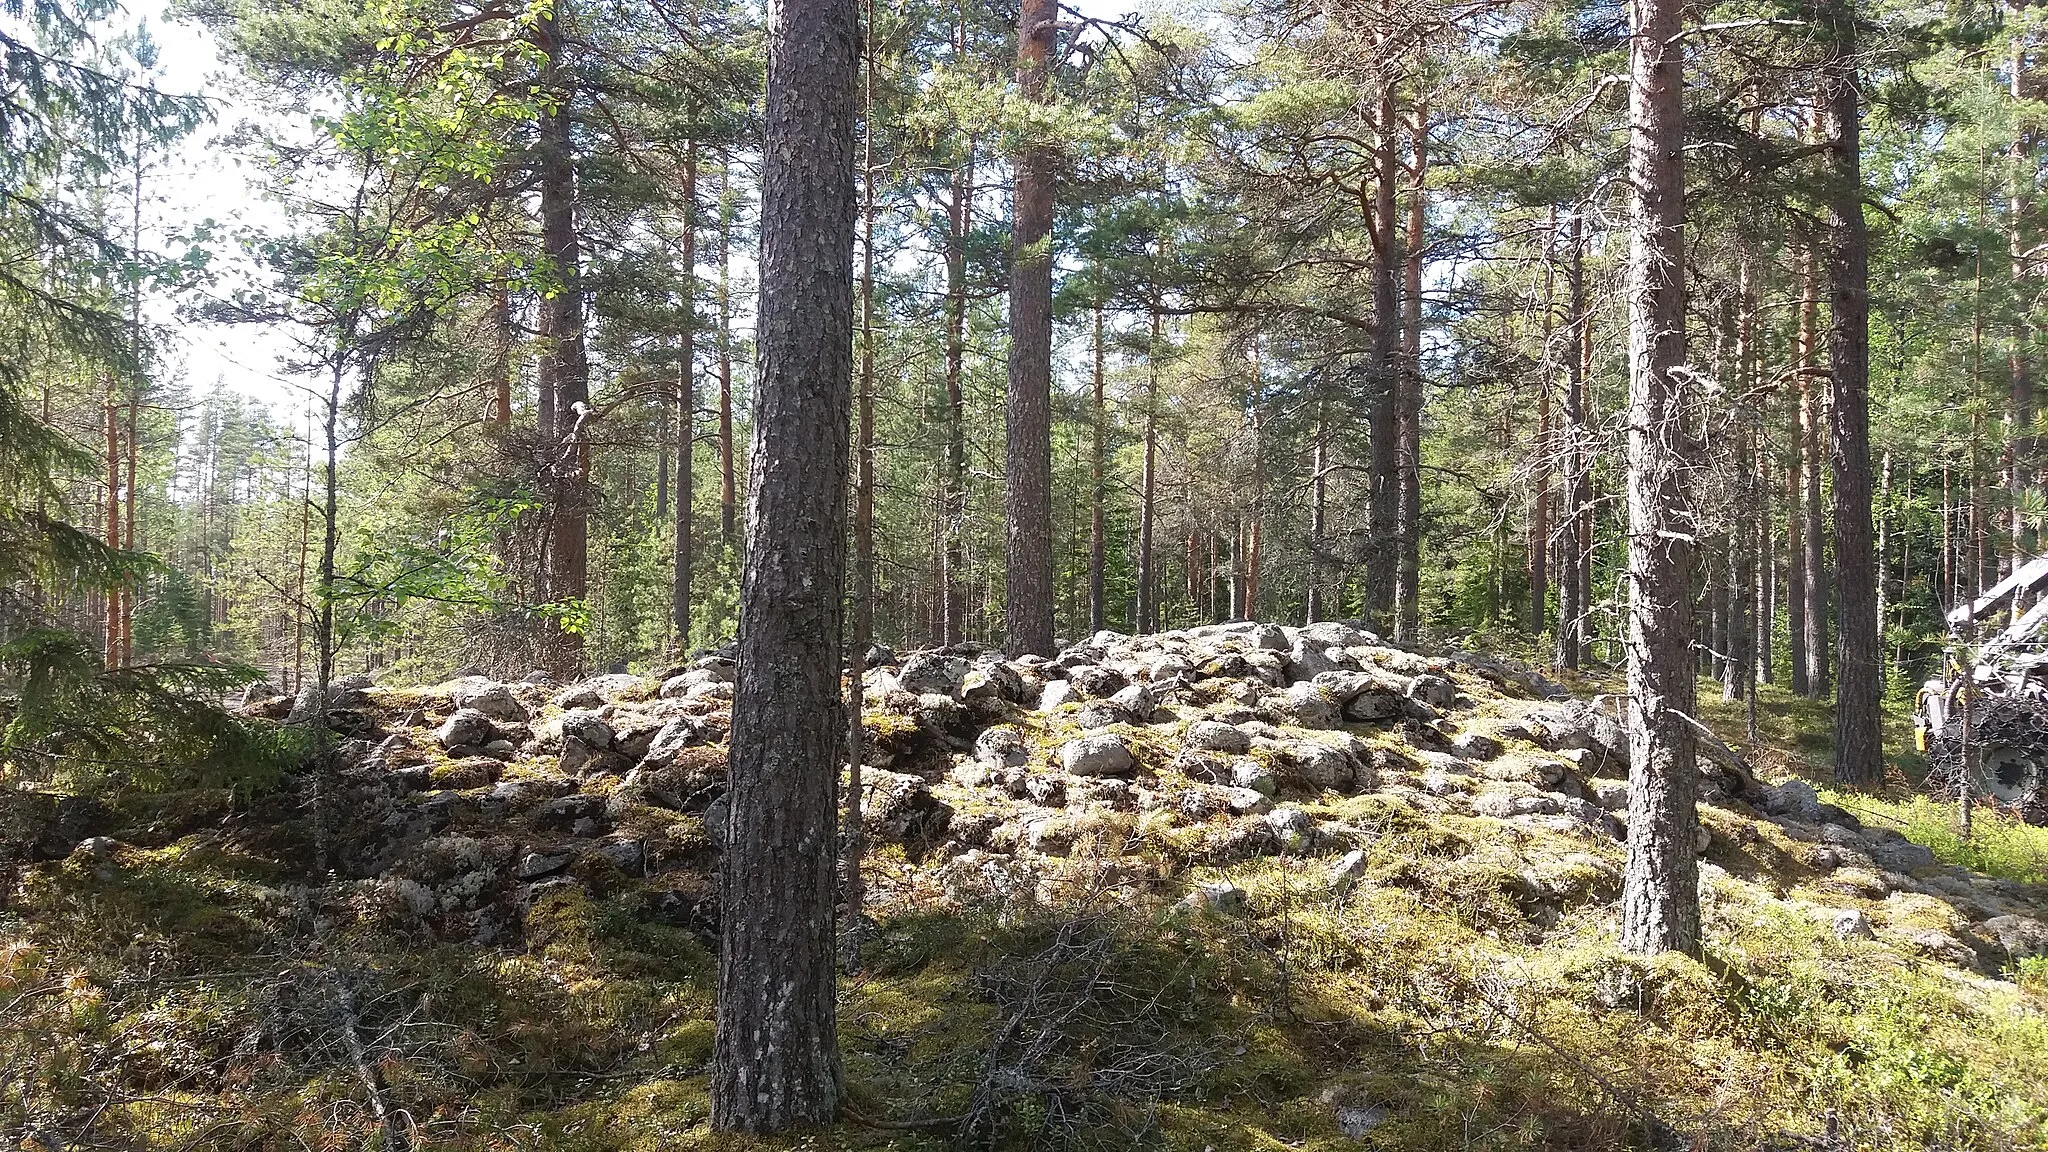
(1997, 722)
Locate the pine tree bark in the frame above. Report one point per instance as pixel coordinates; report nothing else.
(1795, 498)
(1382, 561)
(686, 411)
(1148, 504)
(1408, 394)
(1740, 681)
(1571, 624)
(1028, 592)
(862, 594)
(953, 577)
(728, 495)
(1538, 547)
(775, 1062)
(1859, 750)
(568, 367)
(1813, 558)
(1660, 889)
(1097, 492)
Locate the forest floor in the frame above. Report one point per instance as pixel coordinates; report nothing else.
(1307, 932)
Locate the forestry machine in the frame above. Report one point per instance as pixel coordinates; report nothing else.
(1984, 721)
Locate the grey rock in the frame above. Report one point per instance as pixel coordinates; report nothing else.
(1311, 706)
(669, 741)
(1335, 634)
(1319, 766)
(717, 821)
(1850, 924)
(599, 690)
(1901, 855)
(927, 673)
(1292, 828)
(587, 729)
(1348, 870)
(1097, 681)
(466, 727)
(1097, 756)
(1308, 659)
(1054, 694)
(1134, 701)
(1795, 799)
(1356, 1122)
(1474, 746)
(1098, 714)
(1255, 776)
(1216, 737)
(993, 678)
(493, 700)
(1433, 690)
(534, 865)
(1372, 705)
(1002, 746)
(690, 683)
(1246, 801)
(630, 856)
(1216, 896)
(2022, 937)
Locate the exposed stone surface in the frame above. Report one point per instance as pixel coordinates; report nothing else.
(1097, 756)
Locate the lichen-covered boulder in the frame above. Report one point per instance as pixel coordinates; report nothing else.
(1099, 755)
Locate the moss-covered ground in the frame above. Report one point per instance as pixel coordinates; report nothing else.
(1462, 991)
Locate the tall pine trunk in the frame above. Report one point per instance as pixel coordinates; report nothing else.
(728, 496)
(1027, 601)
(1660, 888)
(863, 592)
(953, 575)
(567, 368)
(1383, 561)
(1859, 752)
(775, 1062)
(1408, 396)
(686, 410)
(1571, 616)
(1813, 577)
(1097, 491)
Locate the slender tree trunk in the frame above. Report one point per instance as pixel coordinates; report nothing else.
(569, 368)
(1148, 601)
(953, 576)
(1660, 890)
(2020, 444)
(1585, 493)
(1545, 448)
(1383, 561)
(686, 410)
(1571, 624)
(1795, 497)
(728, 497)
(1814, 577)
(110, 625)
(1313, 608)
(501, 363)
(775, 1063)
(1028, 592)
(1258, 493)
(863, 592)
(1097, 489)
(1740, 681)
(1408, 395)
(1859, 750)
